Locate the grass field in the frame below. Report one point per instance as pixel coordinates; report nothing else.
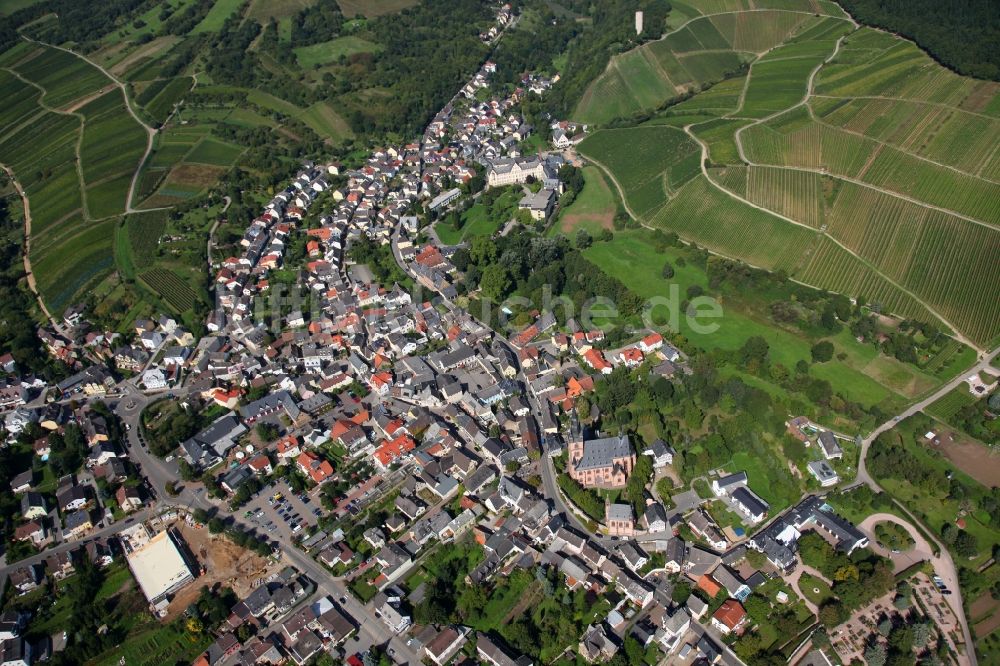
(325, 52)
(370, 8)
(593, 209)
(478, 220)
(217, 15)
(214, 151)
(864, 375)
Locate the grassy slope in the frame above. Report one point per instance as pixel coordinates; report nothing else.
(593, 209)
(632, 258)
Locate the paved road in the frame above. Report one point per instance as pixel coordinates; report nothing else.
(863, 476)
(211, 232)
(920, 552)
(944, 565)
(65, 546)
(159, 473)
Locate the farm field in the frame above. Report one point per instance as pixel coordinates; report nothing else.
(719, 135)
(112, 147)
(882, 182)
(721, 98)
(779, 81)
(737, 229)
(171, 287)
(65, 78)
(160, 96)
(948, 406)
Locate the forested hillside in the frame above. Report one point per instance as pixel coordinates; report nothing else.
(962, 34)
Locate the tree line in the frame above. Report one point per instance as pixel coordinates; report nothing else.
(962, 35)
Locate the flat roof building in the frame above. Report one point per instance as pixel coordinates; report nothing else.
(159, 564)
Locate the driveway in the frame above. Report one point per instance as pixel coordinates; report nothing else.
(686, 501)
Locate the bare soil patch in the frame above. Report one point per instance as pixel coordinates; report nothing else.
(83, 101)
(570, 222)
(990, 623)
(973, 458)
(982, 607)
(224, 562)
(195, 175)
(146, 50)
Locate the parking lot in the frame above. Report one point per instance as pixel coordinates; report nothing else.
(282, 519)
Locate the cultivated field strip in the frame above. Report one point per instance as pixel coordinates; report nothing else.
(950, 136)
(719, 135)
(706, 216)
(885, 184)
(718, 100)
(794, 194)
(649, 162)
(948, 262)
(112, 148)
(732, 178)
(830, 266)
(75, 163)
(816, 146)
(695, 7)
(874, 64)
(807, 144)
(65, 78)
(955, 269)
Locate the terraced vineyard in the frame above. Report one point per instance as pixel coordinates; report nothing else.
(845, 156)
(652, 162)
(74, 148)
(701, 51)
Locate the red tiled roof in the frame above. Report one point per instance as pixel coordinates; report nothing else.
(730, 613)
(392, 449)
